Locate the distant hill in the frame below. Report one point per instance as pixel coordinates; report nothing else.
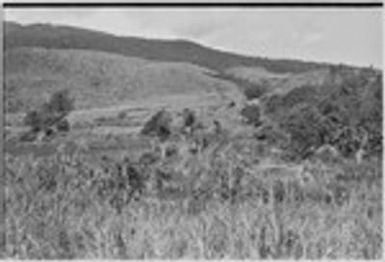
(99, 79)
(102, 69)
(66, 37)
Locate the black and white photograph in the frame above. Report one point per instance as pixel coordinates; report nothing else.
(232, 132)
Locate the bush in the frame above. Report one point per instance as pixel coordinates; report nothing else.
(272, 135)
(60, 102)
(51, 113)
(122, 115)
(34, 120)
(252, 114)
(307, 129)
(255, 91)
(158, 125)
(189, 118)
(63, 125)
(28, 136)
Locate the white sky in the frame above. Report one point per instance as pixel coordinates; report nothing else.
(351, 36)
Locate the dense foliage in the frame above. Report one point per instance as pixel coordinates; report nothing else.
(255, 91)
(51, 113)
(345, 112)
(306, 127)
(252, 114)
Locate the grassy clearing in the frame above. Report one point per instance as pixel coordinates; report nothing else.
(226, 201)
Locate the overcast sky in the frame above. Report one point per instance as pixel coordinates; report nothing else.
(348, 36)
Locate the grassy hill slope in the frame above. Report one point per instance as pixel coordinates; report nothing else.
(65, 37)
(99, 79)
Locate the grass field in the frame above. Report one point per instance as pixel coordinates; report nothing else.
(234, 199)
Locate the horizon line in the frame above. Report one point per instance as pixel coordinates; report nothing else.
(203, 45)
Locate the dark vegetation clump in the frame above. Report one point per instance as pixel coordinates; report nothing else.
(189, 117)
(63, 126)
(306, 127)
(255, 91)
(51, 114)
(250, 90)
(231, 104)
(252, 114)
(345, 112)
(272, 135)
(159, 125)
(278, 105)
(122, 114)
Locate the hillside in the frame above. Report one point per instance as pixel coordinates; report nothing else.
(102, 70)
(65, 37)
(99, 79)
(127, 148)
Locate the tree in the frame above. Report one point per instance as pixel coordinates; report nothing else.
(60, 102)
(307, 129)
(255, 91)
(50, 114)
(158, 125)
(189, 118)
(122, 115)
(63, 125)
(252, 114)
(34, 120)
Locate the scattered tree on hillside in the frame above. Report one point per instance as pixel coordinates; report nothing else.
(189, 121)
(159, 125)
(63, 125)
(348, 141)
(231, 104)
(334, 112)
(60, 103)
(34, 120)
(306, 127)
(255, 91)
(371, 117)
(122, 115)
(272, 134)
(189, 117)
(51, 114)
(252, 114)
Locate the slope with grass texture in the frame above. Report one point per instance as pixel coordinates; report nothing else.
(67, 37)
(98, 79)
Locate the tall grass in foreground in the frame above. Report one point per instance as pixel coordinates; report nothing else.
(68, 207)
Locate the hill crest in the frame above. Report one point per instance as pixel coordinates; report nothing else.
(67, 37)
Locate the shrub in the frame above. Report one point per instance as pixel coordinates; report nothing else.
(232, 104)
(63, 125)
(252, 114)
(60, 102)
(122, 114)
(158, 125)
(306, 127)
(334, 111)
(34, 120)
(171, 150)
(272, 135)
(28, 136)
(51, 113)
(189, 118)
(348, 141)
(255, 91)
